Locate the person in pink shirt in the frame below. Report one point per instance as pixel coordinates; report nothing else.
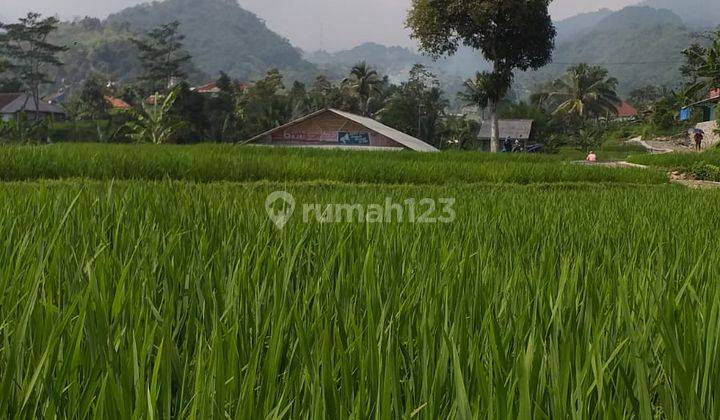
(592, 157)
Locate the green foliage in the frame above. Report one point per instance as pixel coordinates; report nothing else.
(705, 171)
(644, 97)
(175, 300)
(154, 122)
(525, 42)
(416, 107)
(162, 57)
(212, 163)
(640, 46)
(583, 92)
(90, 103)
(264, 105)
(702, 163)
(220, 36)
(365, 83)
(25, 49)
(704, 65)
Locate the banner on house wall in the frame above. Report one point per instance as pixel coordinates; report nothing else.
(353, 138)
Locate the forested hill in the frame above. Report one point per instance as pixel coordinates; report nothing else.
(697, 14)
(221, 36)
(640, 46)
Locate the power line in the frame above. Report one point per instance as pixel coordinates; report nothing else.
(627, 63)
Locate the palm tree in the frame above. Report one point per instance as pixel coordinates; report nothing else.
(364, 82)
(706, 68)
(584, 92)
(487, 90)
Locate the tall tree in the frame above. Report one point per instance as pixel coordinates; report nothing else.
(162, 56)
(91, 100)
(512, 34)
(583, 92)
(485, 89)
(365, 82)
(264, 105)
(28, 54)
(703, 66)
(417, 106)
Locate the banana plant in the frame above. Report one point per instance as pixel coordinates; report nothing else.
(154, 123)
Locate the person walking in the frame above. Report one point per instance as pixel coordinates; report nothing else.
(699, 137)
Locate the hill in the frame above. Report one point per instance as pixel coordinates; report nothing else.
(697, 14)
(638, 45)
(236, 41)
(579, 25)
(388, 60)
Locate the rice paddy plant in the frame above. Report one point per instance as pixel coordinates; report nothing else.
(211, 163)
(159, 300)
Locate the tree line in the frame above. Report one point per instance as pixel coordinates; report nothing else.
(165, 108)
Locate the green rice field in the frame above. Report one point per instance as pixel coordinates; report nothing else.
(169, 293)
(213, 163)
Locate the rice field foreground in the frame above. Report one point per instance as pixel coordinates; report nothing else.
(213, 163)
(157, 300)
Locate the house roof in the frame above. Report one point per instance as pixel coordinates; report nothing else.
(12, 103)
(212, 87)
(514, 129)
(406, 140)
(117, 103)
(625, 110)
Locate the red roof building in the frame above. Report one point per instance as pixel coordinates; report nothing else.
(117, 103)
(626, 111)
(212, 87)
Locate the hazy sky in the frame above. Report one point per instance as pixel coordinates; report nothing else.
(309, 24)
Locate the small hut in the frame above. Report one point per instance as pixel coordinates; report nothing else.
(514, 129)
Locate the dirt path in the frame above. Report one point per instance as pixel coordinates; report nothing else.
(697, 185)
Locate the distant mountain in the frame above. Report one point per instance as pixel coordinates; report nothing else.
(397, 61)
(221, 36)
(697, 14)
(579, 25)
(639, 45)
(388, 60)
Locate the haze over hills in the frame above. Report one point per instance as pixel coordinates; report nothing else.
(640, 46)
(221, 36)
(697, 14)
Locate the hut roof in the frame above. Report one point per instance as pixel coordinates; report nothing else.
(12, 103)
(515, 129)
(406, 140)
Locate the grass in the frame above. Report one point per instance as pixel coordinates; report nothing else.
(703, 166)
(171, 299)
(678, 160)
(212, 163)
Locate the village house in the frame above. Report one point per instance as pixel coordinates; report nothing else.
(117, 103)
(708, 108)
(625, 112)
(12, 105)
(331, 128)
(513, 129)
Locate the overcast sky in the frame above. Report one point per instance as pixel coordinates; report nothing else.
(309, 24)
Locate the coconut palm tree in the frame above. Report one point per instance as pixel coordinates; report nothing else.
(583, 92)
(487, 90)
(706, 67)
(365, 83)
